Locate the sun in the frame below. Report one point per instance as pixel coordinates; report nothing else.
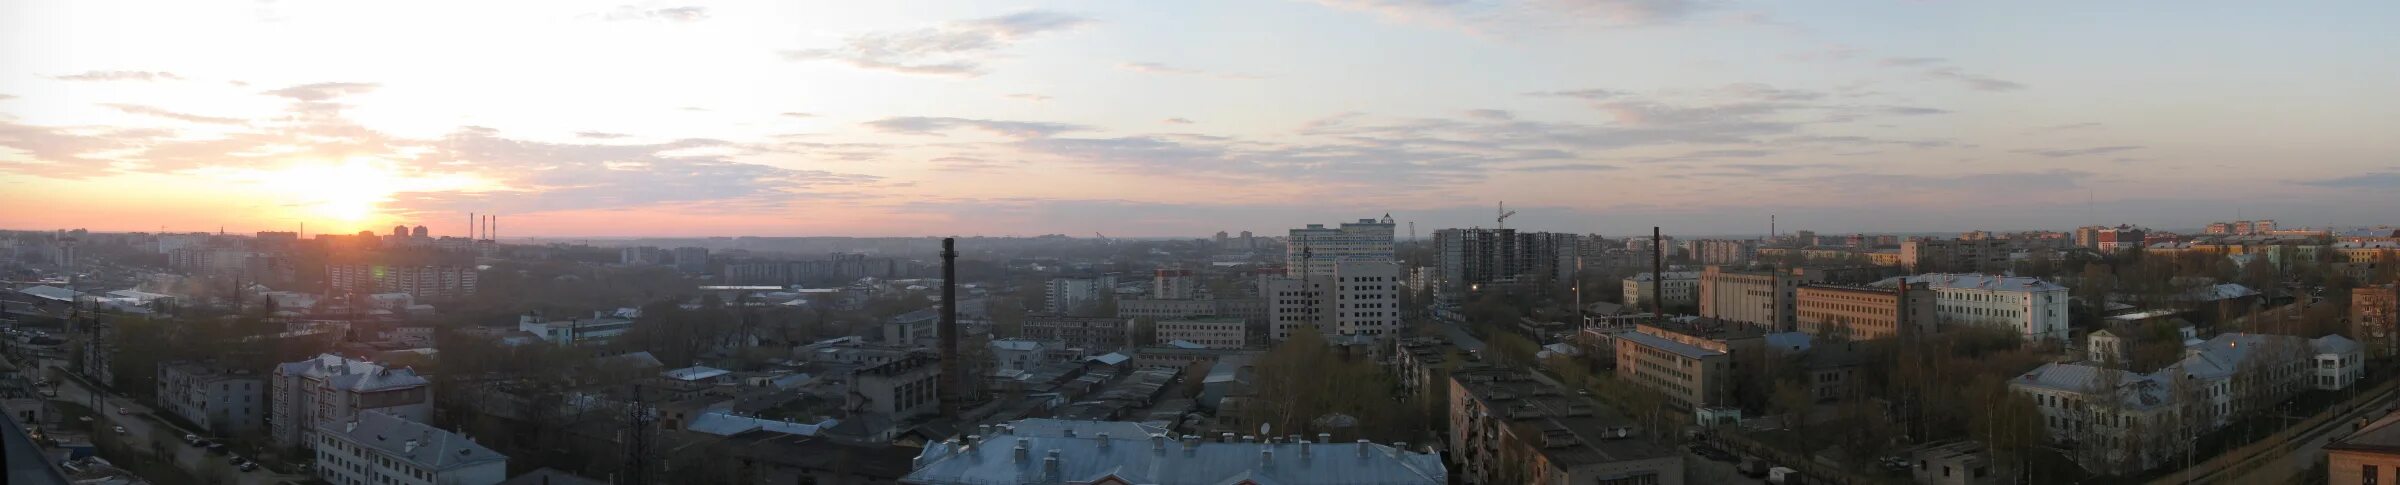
(348, 195)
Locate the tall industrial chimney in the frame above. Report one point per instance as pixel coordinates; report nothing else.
(1658, 275)
(950, 387)
(472, 228)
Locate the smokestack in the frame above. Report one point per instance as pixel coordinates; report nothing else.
(1658, 275)
(948, 331)
(472, 231)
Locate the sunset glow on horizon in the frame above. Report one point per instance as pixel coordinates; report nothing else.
(573, 119)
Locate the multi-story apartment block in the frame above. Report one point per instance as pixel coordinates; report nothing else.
(2128, 422)
(1506, 428)
(375, 448)
(1692, 364)
(2375, 319)
(1210, 332)
(691, 260)
(1767, 297)
(1961, 255)
(1472, 259)
(330, 389)
(1173, 284)
(1093, 334)
(1677, 288)
(641, 256)
(1250, 309)
(1315, 250)
(222, 401)
(425, 282)
(2120, 238)
(1070, 295)
(1722, 251)
(2034, 308)
(1356, 298)
(1864, 312)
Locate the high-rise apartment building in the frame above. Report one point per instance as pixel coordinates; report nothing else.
(1314, 250)
(691, 260)
(1073, 295)
(425, 282)
(1477, 258)
(1356, 298)
(1173, 283)
(1722, 251)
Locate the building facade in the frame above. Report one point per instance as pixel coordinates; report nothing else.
(1722, 251)
(221, 401)
(602, 328)
(1071, 295)
(1692, 364)
(2375, 319)
(375, 448)
(1473, 259)
(1093, 334)
(900, 388)
(331, 389)
(425, 282)
(1865, 313)
(1506, 428)
(1676, 289)
(1356, 298)
(2032, 307)
(1316, 250)
(1210, 332)
(1955, 255)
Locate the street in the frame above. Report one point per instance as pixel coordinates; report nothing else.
(2307, 456)
(141, 430)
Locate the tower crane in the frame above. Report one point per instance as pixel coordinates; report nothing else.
(1502, 221)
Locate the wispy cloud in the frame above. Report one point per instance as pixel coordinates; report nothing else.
(2077, 152)
(952, 49)
(1176, 121)
(121, 76)
(1940, 69)
(162, 113)
(2376, 180)
(1031, 97)
(600, 135)
(934, 126)
(671, 14)
(1508, 17)
(1565, 167)
(796, 114)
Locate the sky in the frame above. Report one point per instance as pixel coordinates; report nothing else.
(723, 118)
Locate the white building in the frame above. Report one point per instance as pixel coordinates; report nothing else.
(2158, 413)
(374, 448)
(1316, 249)
(2339, 362)
(1681, 288)
(2034, 308)
(220, 401)
(601, 328)
(1209, 332)
(1356, 298)
(1068, 295)
(330, 389)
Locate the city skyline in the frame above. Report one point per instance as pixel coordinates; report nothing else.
(680, 119)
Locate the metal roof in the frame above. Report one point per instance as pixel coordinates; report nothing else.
(723, 423)
(1969, 281)
(1679, 348)
(433, 448)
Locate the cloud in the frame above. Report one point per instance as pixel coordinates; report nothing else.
(1491, 114)
(1584, 94)
(2070, 126)
(1914, 110)
(672, 14)
(796, 114)
(2010, 183)
(1565, 167)
(1154, 68)
(2077, 152)
(1031, 97)
(1176, 121)
(322, 91)
(121, 76)
(952, 49)
(2376, 180)
(1774, 168)
(5, 97)
(162, 113)
(1510, 17)
(924, 125)
(693, 109)
(1939, 68)
(600, 135)
(972, 164)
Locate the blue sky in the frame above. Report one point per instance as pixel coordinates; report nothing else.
(1184, 118)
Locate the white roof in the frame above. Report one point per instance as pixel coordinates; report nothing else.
(50, 293)
(1975, 282)
(694, 373)
(724, 423)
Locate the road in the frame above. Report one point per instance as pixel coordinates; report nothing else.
(2306, 457)
(141, 430)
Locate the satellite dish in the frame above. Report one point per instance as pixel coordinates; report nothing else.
(1264, 427)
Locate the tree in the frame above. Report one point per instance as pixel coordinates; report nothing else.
(1304, 379)
(1145, 331)
(1792, 401)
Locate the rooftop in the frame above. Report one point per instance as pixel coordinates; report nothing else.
(2378, 436)
(1975, 282)
(1662, 343)
(694, 373)
(1154, 459)
(352, 374)
(1574, 430)
(417, 443)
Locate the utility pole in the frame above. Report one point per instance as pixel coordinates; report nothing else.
(1658, 274)
(638, 420)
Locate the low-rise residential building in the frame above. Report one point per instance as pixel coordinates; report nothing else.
(601, 328)
(330, 389)
(2032, 307)
(2127, 422)
(219, 400)
(1507, 428)
(1954, 255)
(1210, 332)
(2367, 456)
(1101, 457)
(1768, 297)
(1093, 334)
(1959, 462)
(2339, 362)
(374, 448)
(1675, 288)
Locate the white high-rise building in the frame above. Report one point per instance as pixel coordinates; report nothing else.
(1355, 298)
(2034, 308)
(1314, 250)
(1069, 295)
(1173, 284)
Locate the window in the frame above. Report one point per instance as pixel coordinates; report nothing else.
(2368, 475)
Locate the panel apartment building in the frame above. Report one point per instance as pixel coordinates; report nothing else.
(1865, 312)
(1481, 258)
(2032, 307)
(1767, 297)
(1316, 249)
(1355, 298)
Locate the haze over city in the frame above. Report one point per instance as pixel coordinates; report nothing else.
(1143, 119)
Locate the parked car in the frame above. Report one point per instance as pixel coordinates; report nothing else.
(1785, 476)
(247, 466)
(217, 448)
(120, 430)
(236, 461)
(121, 411)
(191, 439)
